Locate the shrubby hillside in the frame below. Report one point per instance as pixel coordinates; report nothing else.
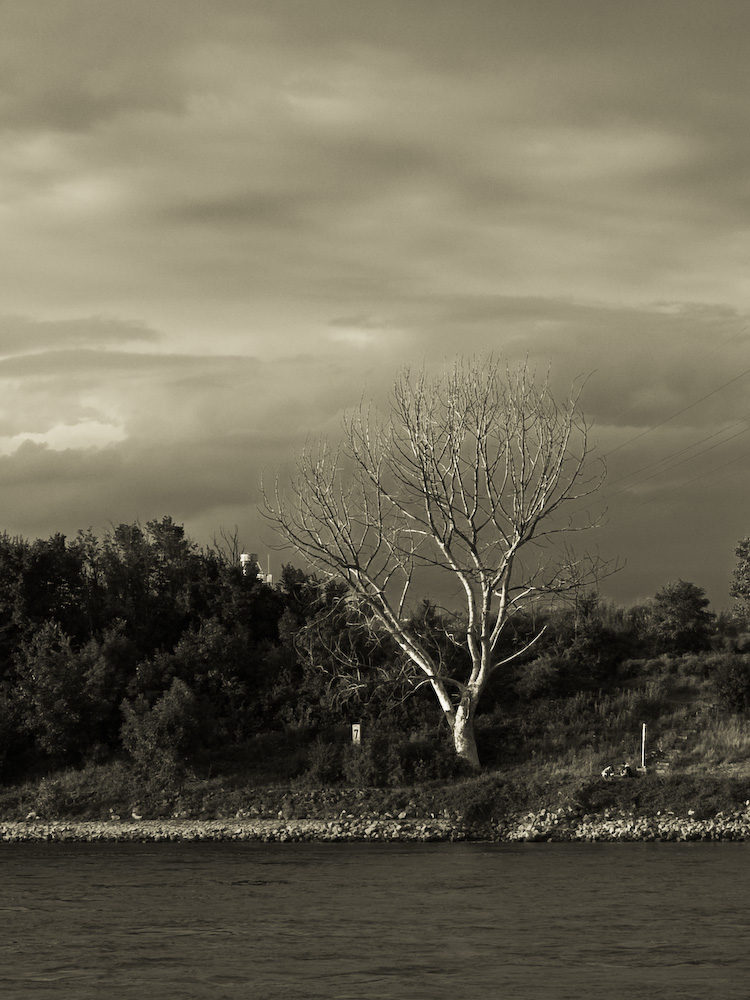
(138, 667)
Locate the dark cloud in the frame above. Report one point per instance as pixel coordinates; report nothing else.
(75, 63)
(295, 199)
(21, 334)
(239, 210)
(361, 322)
(200, 444)
(203, 431)
(86, 361)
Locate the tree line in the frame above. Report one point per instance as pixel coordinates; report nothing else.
(141, 643)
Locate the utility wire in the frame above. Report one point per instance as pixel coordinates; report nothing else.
(676, 464)
(674, 454)
(679, 412)
(695, 479)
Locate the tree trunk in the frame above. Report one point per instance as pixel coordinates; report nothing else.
(464, 741)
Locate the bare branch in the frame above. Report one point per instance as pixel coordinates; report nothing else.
(472, 474)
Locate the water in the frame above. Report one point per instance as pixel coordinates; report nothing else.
(393, 921)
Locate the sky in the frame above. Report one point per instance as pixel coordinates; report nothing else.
(224, 222)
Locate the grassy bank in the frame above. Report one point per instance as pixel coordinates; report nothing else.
(542, 757)
(111, 792)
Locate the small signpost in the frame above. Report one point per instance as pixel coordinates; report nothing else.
(357, 733)
(643, 747)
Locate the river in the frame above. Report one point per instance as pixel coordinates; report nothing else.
(365, 921)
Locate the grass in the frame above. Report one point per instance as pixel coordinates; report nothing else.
(721, 743)
(543, 753)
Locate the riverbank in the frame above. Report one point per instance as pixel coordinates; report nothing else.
(546, 825)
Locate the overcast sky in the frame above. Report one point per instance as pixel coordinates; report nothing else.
(223, 221)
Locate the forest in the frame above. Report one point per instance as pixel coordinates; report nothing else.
(142, 651)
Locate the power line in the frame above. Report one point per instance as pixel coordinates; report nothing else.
(679, 412)
(674, 454)
(675, 465)
(695, 479)
(685, 449)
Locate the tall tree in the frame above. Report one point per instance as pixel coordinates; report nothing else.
(157, 581)
(679, 619)
(50, 587)
(68, 697)
(471, 475)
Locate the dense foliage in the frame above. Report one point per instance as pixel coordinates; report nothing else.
(142, 647)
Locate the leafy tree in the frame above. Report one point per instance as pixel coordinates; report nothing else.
(247, 603)
(468, 476)
(93, 596)
(50, 588)
(679, 620)
(156, 581)
(318, 644)
(160, 738)
(107, 665)
(216, 663)
(13, 555)
(68, 697)
(13, 738)
(581, 648)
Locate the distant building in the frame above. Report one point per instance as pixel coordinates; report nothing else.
(251, 567)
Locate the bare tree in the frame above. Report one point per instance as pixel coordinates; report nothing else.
(475, 474)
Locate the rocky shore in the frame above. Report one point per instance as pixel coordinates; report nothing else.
(151, 831)
(565, 825)
(546, 825)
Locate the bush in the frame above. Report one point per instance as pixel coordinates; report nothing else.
(539, 679)
(385, 758)
(478, 800)
(323, 763)
(498, 741)
(94, 792)
(393, 758)
(160, 738)
(730, 681)
(365, 765)
(492, 796)
(678, 793)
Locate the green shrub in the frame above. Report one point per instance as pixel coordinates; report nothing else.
(50, 798)
(492, 796)
(541, 678)
(730, 680)
(389, 757)
(477, 800)
(705, 795)
(159, 739)
(323, 763)
(93, 792)
(427, 755)
(365, 764)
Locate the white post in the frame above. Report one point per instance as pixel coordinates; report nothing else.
(643, 747)
(357, 733)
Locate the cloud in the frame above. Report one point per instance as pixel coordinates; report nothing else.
(22, 334)
(92, 60)
(199, 432)
(344, 154)
(225, 223)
